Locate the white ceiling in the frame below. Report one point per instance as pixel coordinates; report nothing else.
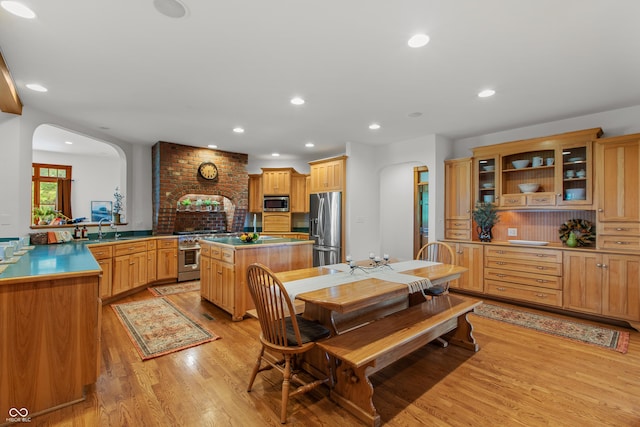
(121, 65)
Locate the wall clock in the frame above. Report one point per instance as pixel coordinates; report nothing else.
(208, 170)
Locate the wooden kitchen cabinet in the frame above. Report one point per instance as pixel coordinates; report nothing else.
(298, 198)
(129, 266)
(224, 282)
(328, 175)
(583, 281)
(103, 254)
(255, 193)
(152, 261)
(471, 256)
(276, 222)
(276, 182)
(167, 265)
(206, 278)
(458, 204)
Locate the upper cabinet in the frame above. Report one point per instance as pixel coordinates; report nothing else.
(553, 172)
(255, 193)
(298, 196)
(328, 175)
(457, 199)
(276, 182)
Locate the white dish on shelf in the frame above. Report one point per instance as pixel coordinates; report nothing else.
(576, 159)
(520, 164)
(529, 242)
(529, 187)
(488, 168)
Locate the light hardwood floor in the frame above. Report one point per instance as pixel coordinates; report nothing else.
(518, 378)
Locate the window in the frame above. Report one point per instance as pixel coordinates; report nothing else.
(44, 186)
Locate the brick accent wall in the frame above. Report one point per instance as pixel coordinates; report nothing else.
(175, 174)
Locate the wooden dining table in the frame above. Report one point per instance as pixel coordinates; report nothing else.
(345, 301)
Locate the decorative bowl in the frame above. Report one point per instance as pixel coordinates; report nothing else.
(574, 194)
(487, 184)
(488, 167)
(530, 187)
(249, 237)
(575, 159)
(519, 164)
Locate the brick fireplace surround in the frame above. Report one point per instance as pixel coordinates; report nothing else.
(175, 174)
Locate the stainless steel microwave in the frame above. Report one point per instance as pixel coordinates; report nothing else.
(275, 204)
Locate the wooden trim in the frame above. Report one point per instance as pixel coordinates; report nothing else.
(9, 99)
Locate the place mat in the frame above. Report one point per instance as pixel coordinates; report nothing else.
(157, 327)
(11, 260)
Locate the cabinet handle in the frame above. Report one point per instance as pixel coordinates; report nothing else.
(501, 289)
(541, 295)
(605, 266)
(541, 281)
(512, 200)
(600, 210)
(501, 263)
(599, 265)
(623, 243)
(501, 275)
(540, 267)
(457, 223)
(622, 229)
(541, 255)
(499, 252)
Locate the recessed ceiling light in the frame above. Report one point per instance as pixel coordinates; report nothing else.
(68, 142)
(18, 9)
(309, 144)
(238, 129)
(418, 40)
(374, 126)
(297, 100)
(37, 87)
(486, 93)
(415, 114)
(170, 8)
(275, 154)
(212, 146)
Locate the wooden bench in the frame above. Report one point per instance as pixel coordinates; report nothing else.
(363, 351)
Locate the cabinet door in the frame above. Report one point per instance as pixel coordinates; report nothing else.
(276, 222)
(167, 263)
(138, 263)
(121, 275)
(298, 193)
(205, 278)
(152, 261)
(470, 256)
(327, 176)
(227, 286)
(575, 177)
(276, 182)
(106, 279)
(458, 189)
(582, 282)
(487, 179)
(255, 193)
(618, 174)
(621, 286)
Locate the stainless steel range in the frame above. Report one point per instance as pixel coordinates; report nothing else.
(189, 252)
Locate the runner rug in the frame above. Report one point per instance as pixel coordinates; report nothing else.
(595, 335)
(175, 288)
(157, 327)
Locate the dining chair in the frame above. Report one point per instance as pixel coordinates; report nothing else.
(437, 252)
(282, 332)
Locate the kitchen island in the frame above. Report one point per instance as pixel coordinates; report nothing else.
(49, 328)
(224, 262)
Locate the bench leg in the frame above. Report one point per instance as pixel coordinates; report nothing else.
(462, 336)
(354, 392)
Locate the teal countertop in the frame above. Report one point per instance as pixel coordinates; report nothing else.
(45, 260)
(264, 240)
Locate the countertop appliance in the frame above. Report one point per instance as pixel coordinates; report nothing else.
(275, 204)
(325, 227)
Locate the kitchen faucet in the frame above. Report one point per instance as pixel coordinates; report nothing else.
(115, 227)
(100, 228)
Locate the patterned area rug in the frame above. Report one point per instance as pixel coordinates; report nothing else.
(157, 327)
(175, 288)
(602, 337)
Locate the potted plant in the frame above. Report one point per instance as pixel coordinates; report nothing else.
(486, 216)
(118, 205)
(186, 203)
(199, 203)
(216, 205)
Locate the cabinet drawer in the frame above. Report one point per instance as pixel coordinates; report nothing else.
(216, 252)
(129, 248)
(102, 251)
(620, 228)
(524, 278)
(152, 245)
(505, 253)
(228, 255)
(458, 234)
(205, 250)
(458, 224)
(541, 199)
(167, 243)
(552, 268)
(524, 293)
(627, 243)
(513, 200)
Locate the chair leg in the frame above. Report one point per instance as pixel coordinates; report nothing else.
(285, 388)
(256, 369)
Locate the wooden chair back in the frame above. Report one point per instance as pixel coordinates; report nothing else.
(436, 252)
(273, 306)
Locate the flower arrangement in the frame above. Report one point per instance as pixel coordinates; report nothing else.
(118, 203)
(486, 216)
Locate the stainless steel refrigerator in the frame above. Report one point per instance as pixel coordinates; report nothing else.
(325, 227)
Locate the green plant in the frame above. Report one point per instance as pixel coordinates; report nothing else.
(118, 203)
(485, 215)
(207, 202)
(186, 202)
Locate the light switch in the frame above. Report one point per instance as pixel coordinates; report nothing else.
(512, 231)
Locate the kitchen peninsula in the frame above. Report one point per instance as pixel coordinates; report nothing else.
(50, 317)
(224, 262)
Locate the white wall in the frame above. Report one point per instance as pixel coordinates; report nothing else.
(10, 185)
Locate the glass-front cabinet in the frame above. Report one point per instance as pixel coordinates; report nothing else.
(488, 179)
(575, 182)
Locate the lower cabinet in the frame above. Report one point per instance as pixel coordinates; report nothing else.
(167, 266)
(604, 284)
(152, 261)
(103, 254)
(471, 256)
(218, 278)
(129, 272)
